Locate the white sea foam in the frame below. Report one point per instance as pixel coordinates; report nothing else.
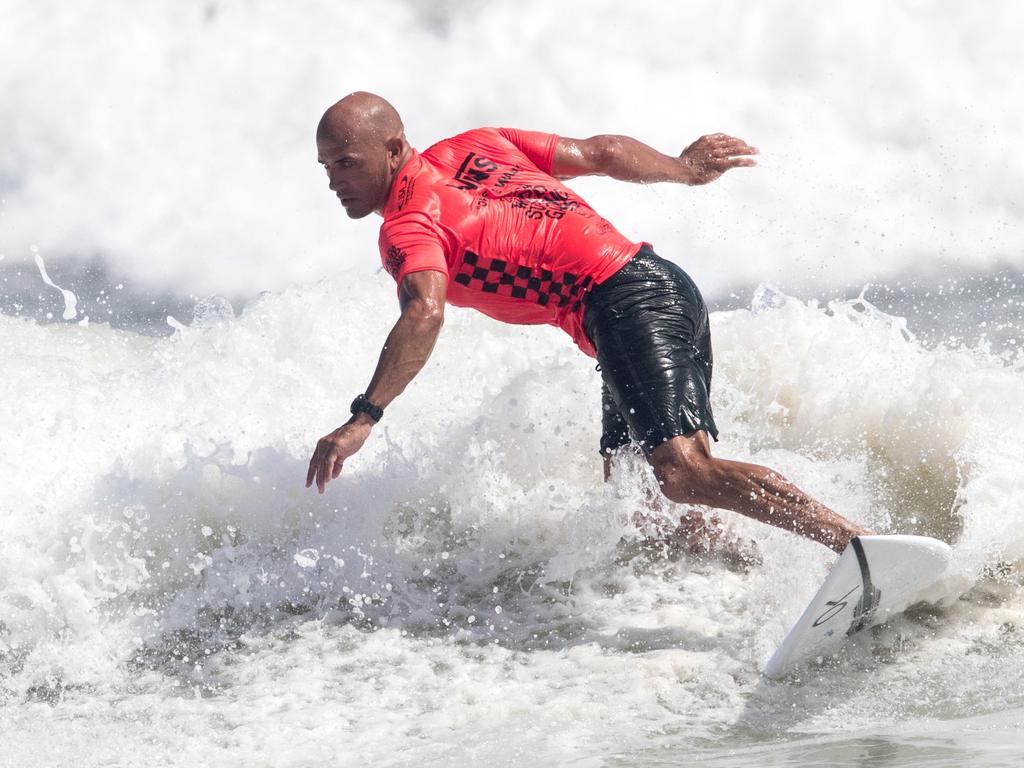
(468, 577)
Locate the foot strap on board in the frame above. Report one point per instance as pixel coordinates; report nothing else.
(870, 594)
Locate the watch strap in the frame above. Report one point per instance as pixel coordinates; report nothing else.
(362, 405)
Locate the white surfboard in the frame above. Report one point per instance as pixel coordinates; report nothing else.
(875, 578)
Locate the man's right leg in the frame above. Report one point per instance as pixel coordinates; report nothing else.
(689, 474)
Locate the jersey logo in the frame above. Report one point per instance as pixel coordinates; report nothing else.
(537, 201)
(474, 171)
(394, 260)
(541, 286)
(405, 188)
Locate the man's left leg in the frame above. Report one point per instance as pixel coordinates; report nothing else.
(689, 474)
(694, 533)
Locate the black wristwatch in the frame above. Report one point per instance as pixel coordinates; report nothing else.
(362, 405)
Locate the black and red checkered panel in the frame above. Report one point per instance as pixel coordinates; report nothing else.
(541, 286)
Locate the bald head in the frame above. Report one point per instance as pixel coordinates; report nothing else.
(361, 115)
(361, 142)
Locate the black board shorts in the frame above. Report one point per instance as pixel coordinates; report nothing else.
(649, 325)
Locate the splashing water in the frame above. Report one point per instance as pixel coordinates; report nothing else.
(70, 300)
(469, 574)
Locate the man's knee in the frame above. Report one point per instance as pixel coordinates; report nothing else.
(687, 472)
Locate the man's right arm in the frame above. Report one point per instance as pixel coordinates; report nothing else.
(626, 159)
(422, 297)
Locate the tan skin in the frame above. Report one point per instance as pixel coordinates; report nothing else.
(362, 146)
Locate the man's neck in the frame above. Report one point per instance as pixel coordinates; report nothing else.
(403, 161)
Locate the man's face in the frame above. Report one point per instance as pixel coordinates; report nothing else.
(358, 172)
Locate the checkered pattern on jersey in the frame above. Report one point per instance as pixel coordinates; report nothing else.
(537, 285)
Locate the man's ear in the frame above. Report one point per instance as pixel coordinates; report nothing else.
(395, 147)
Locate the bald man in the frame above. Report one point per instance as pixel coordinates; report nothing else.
(482, 220)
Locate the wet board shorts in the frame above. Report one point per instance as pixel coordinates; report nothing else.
(649, 325)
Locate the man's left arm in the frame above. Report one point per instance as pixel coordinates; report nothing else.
(627, 159)
(422, 298)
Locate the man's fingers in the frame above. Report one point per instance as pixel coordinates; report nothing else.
(722, 141)
(725, 163)
(734, 148)
(717, 138)
(337, 470)
(734, 157)
(326, 468)
(312, 470)
(734, 151)
(314, 463)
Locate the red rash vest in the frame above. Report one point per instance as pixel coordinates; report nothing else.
(515, 243)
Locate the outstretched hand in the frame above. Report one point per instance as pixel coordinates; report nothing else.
(711, 156)
(332, 450)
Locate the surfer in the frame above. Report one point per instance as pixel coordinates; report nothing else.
(482, 220)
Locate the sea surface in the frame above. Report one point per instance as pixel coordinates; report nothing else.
(184, 311)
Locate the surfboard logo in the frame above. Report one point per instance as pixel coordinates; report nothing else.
(834, 608)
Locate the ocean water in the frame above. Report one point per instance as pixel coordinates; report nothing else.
(184, 311)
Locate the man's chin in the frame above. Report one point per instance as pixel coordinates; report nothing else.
(357, 213)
